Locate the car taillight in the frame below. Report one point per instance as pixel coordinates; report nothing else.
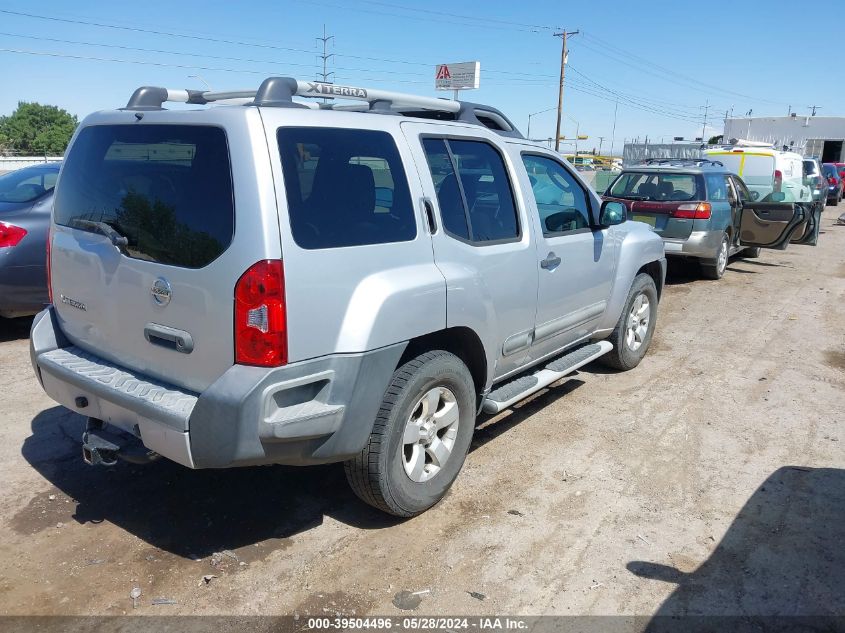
(261, 316)
(694, 211)
(831, 181)
(10, 235)
(778, 180)
(50, 265)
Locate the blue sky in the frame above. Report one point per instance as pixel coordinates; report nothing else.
(662, 61)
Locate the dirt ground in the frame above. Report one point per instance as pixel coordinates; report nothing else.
(711, 479)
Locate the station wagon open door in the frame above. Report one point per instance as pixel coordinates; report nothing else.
(775, 225)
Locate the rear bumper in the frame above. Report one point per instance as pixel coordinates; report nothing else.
(700, 244)
(310, 412)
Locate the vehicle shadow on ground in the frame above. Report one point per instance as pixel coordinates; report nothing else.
(782, 555)
(14, 329)
(490, 427)
(194, 513)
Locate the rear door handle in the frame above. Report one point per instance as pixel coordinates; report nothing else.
(171, 338)
(551, 262)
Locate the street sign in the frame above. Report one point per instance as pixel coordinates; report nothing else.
(462, 76)
(582, 137)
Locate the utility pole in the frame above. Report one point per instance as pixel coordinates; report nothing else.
(562, 35)
(706, 107)
(814, 107)
(601, 141)
(613, 134)
(325, 57)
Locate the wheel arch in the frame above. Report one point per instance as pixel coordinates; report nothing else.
(461, 341)
(655, 271)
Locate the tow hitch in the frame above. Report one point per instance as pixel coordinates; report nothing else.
(103, 448)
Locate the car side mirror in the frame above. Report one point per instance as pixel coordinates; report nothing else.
(612, 213)
(755, 195)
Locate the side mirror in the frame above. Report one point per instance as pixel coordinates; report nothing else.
(612, 213)
(755, 195)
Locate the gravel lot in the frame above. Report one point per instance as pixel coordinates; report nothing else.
(708, 480)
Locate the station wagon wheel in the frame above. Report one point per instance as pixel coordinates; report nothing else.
(715, 268)
(420, 437)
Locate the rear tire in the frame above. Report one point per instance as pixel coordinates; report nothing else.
(752, 252)
(631, 336)
(715, 268)
(420, 437)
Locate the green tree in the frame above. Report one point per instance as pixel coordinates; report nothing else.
(37, 129)
(715, 140)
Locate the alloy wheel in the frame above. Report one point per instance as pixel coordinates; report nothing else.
(430, 434)
(638, 320)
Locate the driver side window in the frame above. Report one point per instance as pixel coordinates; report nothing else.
(561, 201)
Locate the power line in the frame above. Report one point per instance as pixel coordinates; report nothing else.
(472, 21)
(237, 42)
(202, 55)
(625, 57)
(456, 15)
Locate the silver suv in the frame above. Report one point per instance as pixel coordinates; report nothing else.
(282, 283)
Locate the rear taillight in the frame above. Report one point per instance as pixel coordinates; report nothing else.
(50, 265)
(10, 235)
(694, 211)
(261, 316)
(831, 181)
(778, 180)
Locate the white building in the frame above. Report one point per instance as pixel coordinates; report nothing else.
(819, 136)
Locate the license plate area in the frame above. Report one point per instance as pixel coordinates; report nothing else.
(648, 219)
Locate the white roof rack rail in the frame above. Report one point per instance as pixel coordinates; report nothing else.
(279, 92)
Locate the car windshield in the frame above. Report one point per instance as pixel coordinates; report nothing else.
(830, 170)
(27, 184)
(809, 167)
(656, 186)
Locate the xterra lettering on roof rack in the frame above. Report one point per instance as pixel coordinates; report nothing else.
(279, 92)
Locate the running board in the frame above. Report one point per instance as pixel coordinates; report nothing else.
(512, 392)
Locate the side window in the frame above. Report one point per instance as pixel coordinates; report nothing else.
(472, 178)
(561, 201)
(345, 187)
(452, 210)
(717, 187)
(741, 190)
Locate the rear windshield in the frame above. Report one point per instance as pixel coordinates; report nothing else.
(345, 187)
(166, 188)
(830, 170)
(27, 184)
(809, 167)
(659, 187)
(754, 169)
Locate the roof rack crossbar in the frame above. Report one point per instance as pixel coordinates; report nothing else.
(279, 92)
(698, 162)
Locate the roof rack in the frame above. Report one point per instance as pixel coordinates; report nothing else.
(695, 162)
(279, 92)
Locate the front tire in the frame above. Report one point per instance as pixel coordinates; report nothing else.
(752, 252)
(715, 268)
(420, 437)
(635, 328)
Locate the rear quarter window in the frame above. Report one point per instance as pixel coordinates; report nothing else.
(166, 188)
(345, 187)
